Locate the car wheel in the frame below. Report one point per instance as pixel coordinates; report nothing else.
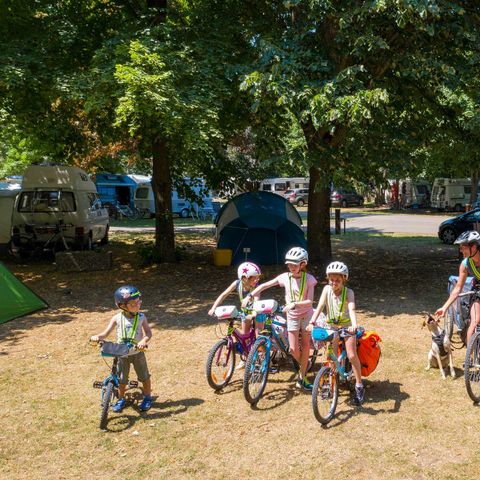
(343, 203)
(458, 208)
(300, 203)
(448, 235)
(185, 213)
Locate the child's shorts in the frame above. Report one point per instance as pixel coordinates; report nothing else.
(139, 362)
(298, 324)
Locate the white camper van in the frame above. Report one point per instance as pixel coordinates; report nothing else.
(144, 200)
(451, 193)
(281, 185)
(8, 193)
(57, 199)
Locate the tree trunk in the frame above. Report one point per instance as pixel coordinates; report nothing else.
(474, 192)
(318, 234)
(162, 189)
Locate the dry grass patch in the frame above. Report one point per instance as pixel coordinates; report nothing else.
(413, 424)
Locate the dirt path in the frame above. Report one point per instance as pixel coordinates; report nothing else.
(413, 425)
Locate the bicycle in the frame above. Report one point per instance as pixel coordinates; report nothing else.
(132, 213)
(33, 244)
(336, 367)
(110, 385)
(220, 363)
(472, 356)
(271, 342)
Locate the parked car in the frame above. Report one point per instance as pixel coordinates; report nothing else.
(342, 197)
(297, 196)
(450, 229)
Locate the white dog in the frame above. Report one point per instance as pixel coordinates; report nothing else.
(440, 353)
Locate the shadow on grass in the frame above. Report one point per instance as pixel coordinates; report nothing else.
(158, 411)
(375, 393)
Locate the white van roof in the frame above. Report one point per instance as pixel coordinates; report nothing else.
(57, 176)
(140, 179)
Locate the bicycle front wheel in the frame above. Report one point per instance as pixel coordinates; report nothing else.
(220, 364)
(256, 371)
(472, 368)
(107, 394)
(325, 394)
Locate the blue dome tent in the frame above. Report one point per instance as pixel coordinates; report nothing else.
(264, 222)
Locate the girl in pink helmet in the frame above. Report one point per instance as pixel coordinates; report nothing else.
(248, 275)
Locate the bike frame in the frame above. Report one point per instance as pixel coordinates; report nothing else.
(233, 336)
(113, 377)
(272, 337)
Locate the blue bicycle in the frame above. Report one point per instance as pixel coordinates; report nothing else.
(271, 342)
(335, 368)
(110, 385)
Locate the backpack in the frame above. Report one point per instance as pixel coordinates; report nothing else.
(368, 350)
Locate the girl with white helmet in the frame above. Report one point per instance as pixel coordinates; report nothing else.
(299, 292)
(339, 302)
(469, 243)
(248, 275)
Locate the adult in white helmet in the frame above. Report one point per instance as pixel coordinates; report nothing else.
(299, 292)
(339, 302)
(469, 243)
(248, 275)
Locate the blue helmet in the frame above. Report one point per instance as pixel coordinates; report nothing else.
(123, 294)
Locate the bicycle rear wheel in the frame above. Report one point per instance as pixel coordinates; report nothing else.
(220, 364)
(107, 394)
(256, 371)
(472, 368)
(325, 394)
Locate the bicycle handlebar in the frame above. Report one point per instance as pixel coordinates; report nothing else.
(100, 343)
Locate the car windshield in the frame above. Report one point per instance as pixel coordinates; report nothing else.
(289, 192)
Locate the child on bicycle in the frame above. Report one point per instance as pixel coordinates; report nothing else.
(469, 243)
(248, 275)
(132, 328)
(339, 301)
(299, 290)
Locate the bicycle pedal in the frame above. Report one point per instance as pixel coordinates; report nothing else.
(132, 384)
(97, 384)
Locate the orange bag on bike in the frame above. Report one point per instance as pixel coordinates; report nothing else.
(368, 350)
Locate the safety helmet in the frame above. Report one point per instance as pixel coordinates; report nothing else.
(468, 237)
(248, 269)
(123, 294)
(296, 255)
(338, 267)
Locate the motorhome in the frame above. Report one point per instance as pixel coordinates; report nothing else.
(281, 185)
(181, 206)
(58, 197)
(8, 194)
(451, 193)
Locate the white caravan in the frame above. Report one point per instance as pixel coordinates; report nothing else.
(55, 198)
(451, 193)
(281, 185)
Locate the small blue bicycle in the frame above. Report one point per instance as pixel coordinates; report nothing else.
(325, 386)
(110, 385)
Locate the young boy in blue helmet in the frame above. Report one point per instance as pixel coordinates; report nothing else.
(133, 329)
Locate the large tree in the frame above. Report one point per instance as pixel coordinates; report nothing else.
(330, 70)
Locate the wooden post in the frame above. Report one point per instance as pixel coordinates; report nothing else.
(338, 226)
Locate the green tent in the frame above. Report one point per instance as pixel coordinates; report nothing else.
(16, 298)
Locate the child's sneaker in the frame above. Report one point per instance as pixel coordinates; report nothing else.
(146, 403)
(304, 385)
(119, 405)
(359, 395)
(241, 365)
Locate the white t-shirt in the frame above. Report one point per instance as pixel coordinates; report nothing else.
(125, 324)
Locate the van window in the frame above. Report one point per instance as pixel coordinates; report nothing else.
(142, 192)
(47, 200)
(280, 187)
(94, 201)
(267, 187)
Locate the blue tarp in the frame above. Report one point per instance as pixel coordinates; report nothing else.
(264, 222)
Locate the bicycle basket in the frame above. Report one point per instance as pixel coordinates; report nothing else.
(265, 306)
(112, 349)
(321, 334)
(225, 312)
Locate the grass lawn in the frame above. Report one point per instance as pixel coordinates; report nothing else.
(414, 425)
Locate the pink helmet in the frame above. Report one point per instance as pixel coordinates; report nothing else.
(248, 269)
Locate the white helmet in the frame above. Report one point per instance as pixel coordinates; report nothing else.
(468, 237)
(338, 267)
(248, 269)
(296, 255)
